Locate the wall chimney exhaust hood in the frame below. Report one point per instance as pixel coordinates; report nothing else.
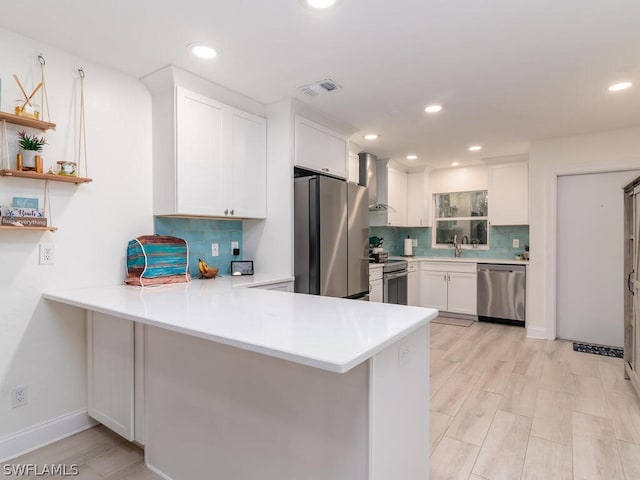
(371, 177)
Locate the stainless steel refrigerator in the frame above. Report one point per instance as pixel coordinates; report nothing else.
(331, 237)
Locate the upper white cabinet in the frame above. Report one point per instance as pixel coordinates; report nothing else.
(354, 167)
(418, 200)
(248, 188)
(219, 169)
(392, 191)
(320, 149)
(509, 194)
(397, 198)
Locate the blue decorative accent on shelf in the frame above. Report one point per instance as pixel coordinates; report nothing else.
(500, 242)
(200, 233)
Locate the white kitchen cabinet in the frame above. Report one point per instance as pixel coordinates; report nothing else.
(449, 287)
(320, 149)
(111, 363)
(392, 191)
(376, 293)
(418, 200)
(509, 194)
(433, 289)
(397, 198)
(462, 293)
(354, 167)
(247, 197)
(412, 284)
(219, 167)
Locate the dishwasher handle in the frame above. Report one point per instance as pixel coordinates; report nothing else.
(492, 267)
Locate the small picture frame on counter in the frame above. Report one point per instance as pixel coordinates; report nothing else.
(242, 267)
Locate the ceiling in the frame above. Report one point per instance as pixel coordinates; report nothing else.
(506, 71)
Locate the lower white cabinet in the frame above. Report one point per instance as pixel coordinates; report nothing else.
(376, 293)
(449, 287)
(413, 298)
(111, 372)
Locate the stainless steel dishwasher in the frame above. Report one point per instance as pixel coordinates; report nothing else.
(502, 293)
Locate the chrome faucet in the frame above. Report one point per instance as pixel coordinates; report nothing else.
(457, 247)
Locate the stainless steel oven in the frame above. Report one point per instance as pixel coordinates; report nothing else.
(394, 279)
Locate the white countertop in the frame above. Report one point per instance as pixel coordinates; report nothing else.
(463, 259)
(328, 333)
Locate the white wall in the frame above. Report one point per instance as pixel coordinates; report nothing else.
(42, 345)
(604, 151)
(270, 242)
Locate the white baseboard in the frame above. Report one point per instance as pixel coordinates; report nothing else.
(24, 441)
(158, 472)
(537, 333)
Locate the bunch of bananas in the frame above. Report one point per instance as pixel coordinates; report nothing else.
(205, 270)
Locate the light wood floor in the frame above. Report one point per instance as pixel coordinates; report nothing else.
(508, 407)
(99, 454)
(502, 407)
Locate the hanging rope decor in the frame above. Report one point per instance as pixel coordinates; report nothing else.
(82, 135)
(4, 147)
(47, 204)
(44, 99)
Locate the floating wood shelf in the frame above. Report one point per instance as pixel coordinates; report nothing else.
(44, 176)
(26, 121)
(40, 229)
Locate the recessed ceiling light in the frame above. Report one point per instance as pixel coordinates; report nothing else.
(320, 4)
(412, 157)
(433, 108)
(616, 87)
(203, 51)
(455, 164)
(371, 136)
(474, 148)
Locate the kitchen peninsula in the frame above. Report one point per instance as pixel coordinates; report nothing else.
(249, 383)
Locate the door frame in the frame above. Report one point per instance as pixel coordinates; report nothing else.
(551, 227)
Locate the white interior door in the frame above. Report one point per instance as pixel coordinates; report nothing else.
(590, 270)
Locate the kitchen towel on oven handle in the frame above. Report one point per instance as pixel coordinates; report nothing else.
(157, 260)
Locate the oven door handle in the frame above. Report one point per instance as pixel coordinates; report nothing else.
(392, 276)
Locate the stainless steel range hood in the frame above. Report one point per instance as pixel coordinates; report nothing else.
(370, 177)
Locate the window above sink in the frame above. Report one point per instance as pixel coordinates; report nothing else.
(462, 216)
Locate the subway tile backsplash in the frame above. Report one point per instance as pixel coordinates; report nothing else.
(200, 233)
(500, 242)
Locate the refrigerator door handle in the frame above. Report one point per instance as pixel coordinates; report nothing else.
(629, 282)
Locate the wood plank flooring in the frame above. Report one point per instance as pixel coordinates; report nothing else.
(502, 407)
(99, 454)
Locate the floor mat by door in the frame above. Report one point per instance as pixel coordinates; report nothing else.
(598, 349)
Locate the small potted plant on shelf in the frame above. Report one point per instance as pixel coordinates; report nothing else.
(30, 148)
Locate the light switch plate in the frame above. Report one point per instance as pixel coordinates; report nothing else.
(516, 243)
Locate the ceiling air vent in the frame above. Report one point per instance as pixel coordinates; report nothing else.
(323, 87)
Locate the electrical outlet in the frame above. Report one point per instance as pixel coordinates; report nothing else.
(516, 243)
(403, 356)
(414, 242)
(47, 254)
(19, 396)
(235, 246)
(214, 250)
